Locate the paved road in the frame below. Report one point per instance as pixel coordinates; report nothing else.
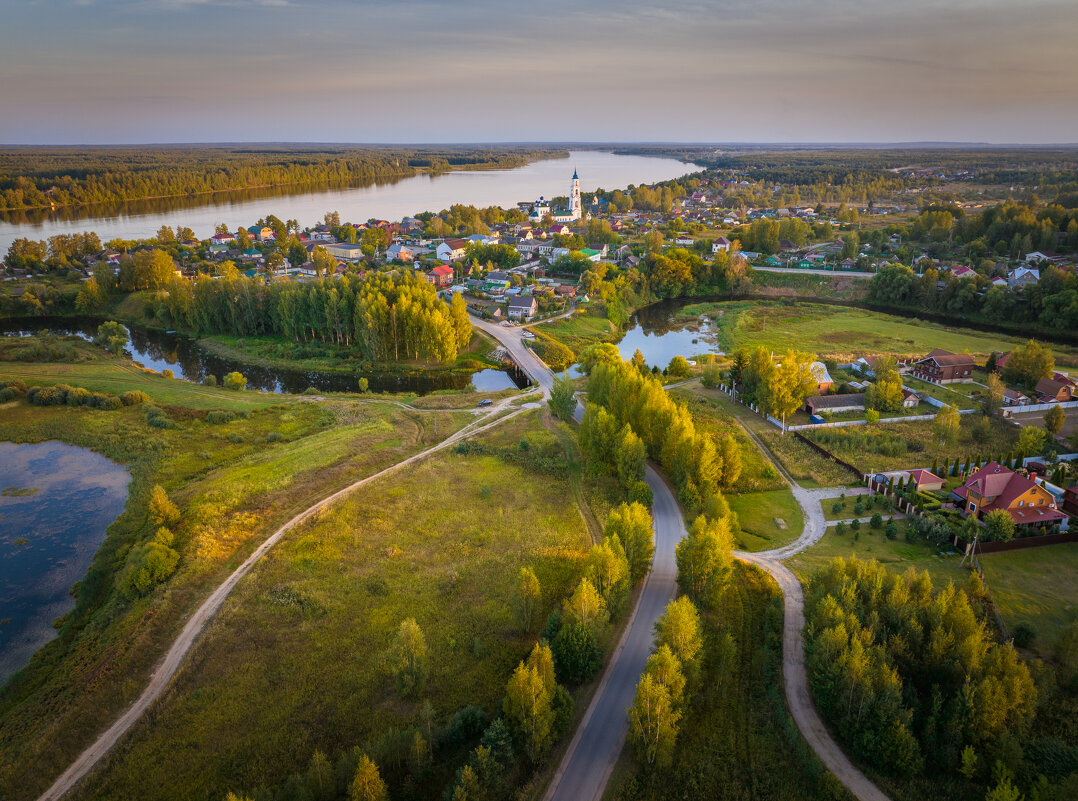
(590, 758)
(167, 668)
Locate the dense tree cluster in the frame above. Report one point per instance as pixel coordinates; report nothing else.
(908, 675)
(777, 387)
(385, 316)
(624, 400)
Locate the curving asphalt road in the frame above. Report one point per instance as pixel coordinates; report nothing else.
(586, 766)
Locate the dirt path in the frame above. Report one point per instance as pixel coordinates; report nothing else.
(176, 653)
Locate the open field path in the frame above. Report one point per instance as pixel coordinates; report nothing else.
(176, 653)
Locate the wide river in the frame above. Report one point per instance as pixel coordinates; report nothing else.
(392, 201)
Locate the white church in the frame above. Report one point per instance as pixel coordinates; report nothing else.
(541, 208)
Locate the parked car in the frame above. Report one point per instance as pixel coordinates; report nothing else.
(485, 402)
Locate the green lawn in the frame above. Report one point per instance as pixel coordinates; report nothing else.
(757, 513)
(842, 332)
(849, 505)
(294, 662)
(1036, 586)
(896, 554)
(579, 330)
(234, 484)
(956, 395)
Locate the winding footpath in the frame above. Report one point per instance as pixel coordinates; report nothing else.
(180, 647)
(589, 760)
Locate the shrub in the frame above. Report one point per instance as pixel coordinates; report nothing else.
(640, 492)
(133, 397)
(273, 436)
(236, 381)
(310, 391)
(855, 524)
(877, 520)
(209, 380)
(836, 507)
(466, 725)
(859, 508)
(1024, 635)
(7, 394)
(872, 417)
(148, 565)
(168, 374)
(219, 416)
(840, 529)
(577, 654)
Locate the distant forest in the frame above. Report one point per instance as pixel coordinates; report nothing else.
(59, 177)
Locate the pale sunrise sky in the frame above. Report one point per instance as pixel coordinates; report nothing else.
(134, 71)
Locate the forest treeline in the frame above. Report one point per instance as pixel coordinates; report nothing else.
(386, 317)
(61, 177)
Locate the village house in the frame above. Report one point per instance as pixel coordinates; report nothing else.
(440, 276)
(1057, 389)
(1013, 397)
(996, 487)
(261, 234)
(522, 307)
(452, 249)
(824, 382)
(345, 250)
(835, 403)
(943, 367)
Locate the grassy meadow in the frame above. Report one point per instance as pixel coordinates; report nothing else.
(295, 661)
(579, 330)
(842, 332)
(1035, 586)
(234, 482)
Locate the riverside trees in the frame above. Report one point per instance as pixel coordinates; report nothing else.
(386, 317)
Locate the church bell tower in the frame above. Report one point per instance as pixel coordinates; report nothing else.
(574, 198)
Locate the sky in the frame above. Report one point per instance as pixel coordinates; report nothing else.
(137, 71)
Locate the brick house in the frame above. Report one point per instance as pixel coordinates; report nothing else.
(943, 367)
(996, 487)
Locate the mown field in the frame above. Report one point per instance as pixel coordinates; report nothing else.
(296, 660)
(737, 740)
(1037, 587)
(234, 482)
(840, 332)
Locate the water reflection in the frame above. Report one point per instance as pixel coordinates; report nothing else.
(660, 336)
(168, 350)
(57, 502)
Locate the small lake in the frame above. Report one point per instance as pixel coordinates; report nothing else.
(57, 501)
(389, 201)
(660, 336)
(163, 350)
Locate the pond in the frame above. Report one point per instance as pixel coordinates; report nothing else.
(166, 350)
(56, 502)
(657, 333)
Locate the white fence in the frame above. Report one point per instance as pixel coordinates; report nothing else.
(1037, 407)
